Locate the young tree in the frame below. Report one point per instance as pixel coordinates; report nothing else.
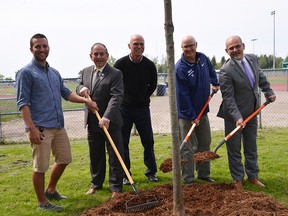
(111, 60)
(178, 208)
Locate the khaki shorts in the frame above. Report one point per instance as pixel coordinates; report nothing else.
(55, 140)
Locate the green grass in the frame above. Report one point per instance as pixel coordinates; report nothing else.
(9, 106)
(18, 197)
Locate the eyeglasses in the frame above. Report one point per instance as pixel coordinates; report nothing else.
(238, 46)
(189, 46)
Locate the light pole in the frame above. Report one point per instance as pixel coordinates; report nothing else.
(260, 115)
(273, 14)
(253, 40)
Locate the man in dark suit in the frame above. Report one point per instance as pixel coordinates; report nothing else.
(104, 84)
(240, 77)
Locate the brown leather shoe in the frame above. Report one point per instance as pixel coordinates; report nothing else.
(91, 191)
(256, 182)
(115, 194)
(238, 184)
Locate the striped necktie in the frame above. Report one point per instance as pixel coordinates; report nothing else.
(96, 75)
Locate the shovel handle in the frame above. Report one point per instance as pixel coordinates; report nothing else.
(256, 112)
(241, 126)
(198, 118)
(206, 104)
(116, 152)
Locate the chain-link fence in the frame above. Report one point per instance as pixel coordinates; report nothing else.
(12, 126)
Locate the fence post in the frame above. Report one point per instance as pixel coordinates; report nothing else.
(260, 114)
(286, 74)
(1, 137)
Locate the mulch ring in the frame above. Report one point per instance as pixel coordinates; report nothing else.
(199, 199)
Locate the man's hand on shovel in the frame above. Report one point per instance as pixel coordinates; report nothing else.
(92, 105)
(104, 122)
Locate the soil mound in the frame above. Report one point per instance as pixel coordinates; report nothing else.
(200, 200)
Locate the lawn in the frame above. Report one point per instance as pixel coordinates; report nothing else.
(18, 197)
(8, 105)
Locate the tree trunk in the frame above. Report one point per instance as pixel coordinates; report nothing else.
(178, 208)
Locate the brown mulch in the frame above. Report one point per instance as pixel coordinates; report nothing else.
(166, 166)
(199, 200)
(201, 157)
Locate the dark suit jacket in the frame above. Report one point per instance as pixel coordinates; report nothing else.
(107, 93)
(240, 99)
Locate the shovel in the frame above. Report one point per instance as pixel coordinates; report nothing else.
(198, 119)
(151, 200)
(201, 157)
(166, 166)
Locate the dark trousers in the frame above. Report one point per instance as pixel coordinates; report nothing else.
(247, 136)
(142, 120)
(97, 140)
(199, 141)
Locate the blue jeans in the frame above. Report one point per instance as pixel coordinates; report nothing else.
(142, 120)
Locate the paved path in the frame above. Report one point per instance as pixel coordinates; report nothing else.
(160, 112)
(273, 115)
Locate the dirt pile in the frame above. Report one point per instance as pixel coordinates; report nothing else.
(166, 166)
(201, 157)
(200, 200)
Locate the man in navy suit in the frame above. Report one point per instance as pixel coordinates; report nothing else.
(239, 87)
(104, 84)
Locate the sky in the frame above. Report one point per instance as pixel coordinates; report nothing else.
(73, 26)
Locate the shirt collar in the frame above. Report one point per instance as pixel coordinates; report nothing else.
(134, 61)
(99, 69)
(239, 61)
(40, 65)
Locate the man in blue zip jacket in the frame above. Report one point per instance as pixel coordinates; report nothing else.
(194, 74)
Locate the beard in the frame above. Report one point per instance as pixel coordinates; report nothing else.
(41, 57)
(238, 56)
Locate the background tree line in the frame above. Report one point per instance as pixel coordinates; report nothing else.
(265, 62)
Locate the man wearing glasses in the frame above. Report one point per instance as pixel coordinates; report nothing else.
(240, 77)
(194, 77)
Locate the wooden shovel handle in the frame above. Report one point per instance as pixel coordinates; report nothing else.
(114, 148)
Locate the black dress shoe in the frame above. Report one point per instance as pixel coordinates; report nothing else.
(152, 178)
(207, 179)
(191, 183)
